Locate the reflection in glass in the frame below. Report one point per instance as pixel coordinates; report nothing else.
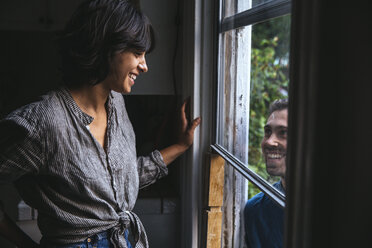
(233, 126)
(253, 72)
(263, 221)
(269, 81)
(254, 65)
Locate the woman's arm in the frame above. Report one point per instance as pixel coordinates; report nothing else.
(20, 150)
(10, 231)
(185, 137)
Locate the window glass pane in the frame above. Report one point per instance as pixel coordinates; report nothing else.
(232, 7)
(234, 93)
(258, 2)
(269, 81)
(253, 72)
(252, 190)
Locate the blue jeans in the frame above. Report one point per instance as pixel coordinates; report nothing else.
(99, 240)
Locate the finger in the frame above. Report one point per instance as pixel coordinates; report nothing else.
(183, 107)
(195, 123)
(183, 114)
(183, 110)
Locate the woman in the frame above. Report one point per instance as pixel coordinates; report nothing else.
(72, 154)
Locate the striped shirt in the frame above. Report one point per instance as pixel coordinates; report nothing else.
(78, 187)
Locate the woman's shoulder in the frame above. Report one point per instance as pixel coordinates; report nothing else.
(117, 98)
(36, 114)
(118, 102)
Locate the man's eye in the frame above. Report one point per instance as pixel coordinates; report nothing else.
(267, 132)
(283, 133)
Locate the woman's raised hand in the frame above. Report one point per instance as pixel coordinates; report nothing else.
(185, 136)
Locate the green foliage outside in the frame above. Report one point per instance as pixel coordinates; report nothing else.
(269, 81)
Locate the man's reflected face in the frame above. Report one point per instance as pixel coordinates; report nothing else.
(274, 143)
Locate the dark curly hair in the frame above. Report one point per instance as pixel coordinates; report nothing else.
(97, 31)
(278, 104)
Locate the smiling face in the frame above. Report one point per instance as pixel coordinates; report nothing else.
(124, 69)
(274, 143)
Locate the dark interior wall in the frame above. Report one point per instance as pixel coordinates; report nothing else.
(29, 67)
(154, 119)
(329, 200)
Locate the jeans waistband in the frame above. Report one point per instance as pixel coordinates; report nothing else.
(101, 235)
(95, 237)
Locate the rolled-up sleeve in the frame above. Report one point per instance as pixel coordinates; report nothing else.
(20, 150)
(151, 168)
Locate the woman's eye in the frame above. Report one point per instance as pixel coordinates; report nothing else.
(138, 54)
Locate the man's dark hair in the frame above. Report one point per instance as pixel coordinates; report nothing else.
(97, 31)
(278, 104)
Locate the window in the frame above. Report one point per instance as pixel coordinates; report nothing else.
(253, 65)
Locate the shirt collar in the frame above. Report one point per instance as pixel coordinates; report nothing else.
(71, 104)
(279, 186)
(84, 117)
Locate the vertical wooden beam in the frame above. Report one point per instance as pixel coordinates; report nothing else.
(216, 183)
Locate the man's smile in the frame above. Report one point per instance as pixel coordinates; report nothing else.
(274, 155)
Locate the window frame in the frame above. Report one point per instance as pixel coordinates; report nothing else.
(256, 14)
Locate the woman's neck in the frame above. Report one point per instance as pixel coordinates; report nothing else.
(91, 99)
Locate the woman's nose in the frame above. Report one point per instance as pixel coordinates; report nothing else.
(143, 66)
